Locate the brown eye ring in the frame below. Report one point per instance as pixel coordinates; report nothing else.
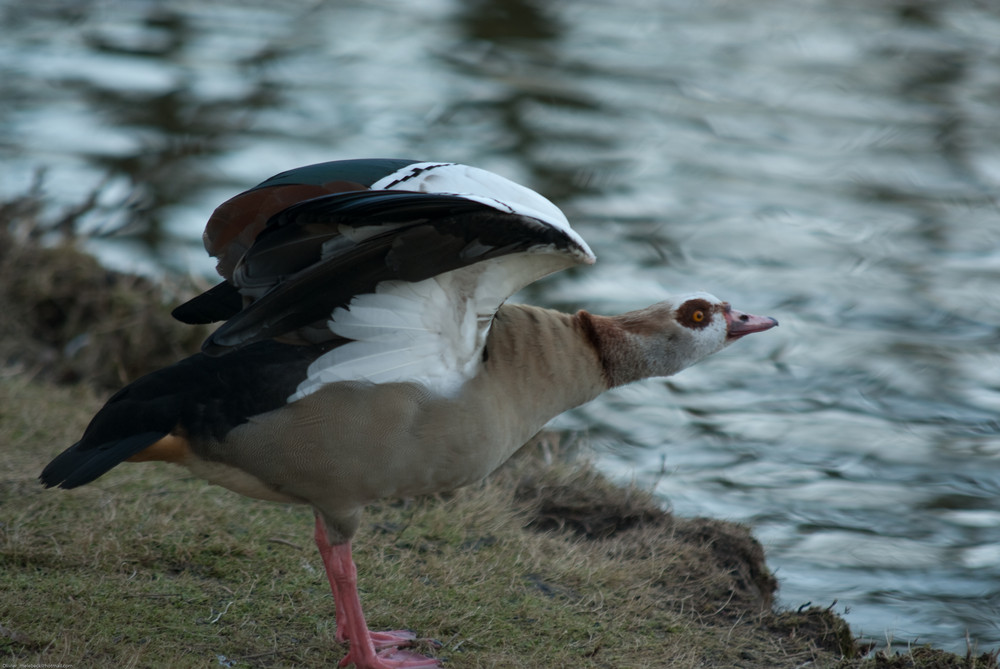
(695, 313)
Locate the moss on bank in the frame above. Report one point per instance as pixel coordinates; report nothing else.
(542, 565)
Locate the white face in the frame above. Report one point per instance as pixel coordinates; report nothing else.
(702, 318)
(677, 333)
(709, 324)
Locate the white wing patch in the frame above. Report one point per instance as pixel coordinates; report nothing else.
(402, 331)
(431, 332)
(480, 186)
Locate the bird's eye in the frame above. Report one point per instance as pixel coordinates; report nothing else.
(695, 314)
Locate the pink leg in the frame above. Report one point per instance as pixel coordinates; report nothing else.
(351, 625)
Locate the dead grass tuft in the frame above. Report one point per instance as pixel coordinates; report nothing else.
(925, 657)
(67, 319)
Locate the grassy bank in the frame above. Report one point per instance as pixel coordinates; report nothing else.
(546, 564)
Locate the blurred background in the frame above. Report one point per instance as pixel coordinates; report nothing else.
(832, 163)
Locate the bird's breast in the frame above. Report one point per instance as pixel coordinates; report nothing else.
(351, 443)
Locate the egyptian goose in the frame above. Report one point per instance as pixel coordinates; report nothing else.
(367, 352)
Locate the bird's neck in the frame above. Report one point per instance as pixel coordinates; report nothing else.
(544, 357)
(631, 346)
(573, 357)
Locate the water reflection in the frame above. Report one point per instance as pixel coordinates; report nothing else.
(175, 126)
(515, 45)
(509, 22)
(835, 166)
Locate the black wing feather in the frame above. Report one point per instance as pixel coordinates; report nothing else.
(78, 465)
(218, 303)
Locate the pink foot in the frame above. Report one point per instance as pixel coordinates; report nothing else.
(390, 659)
(368, 650)
(389, 654)
(392, 639)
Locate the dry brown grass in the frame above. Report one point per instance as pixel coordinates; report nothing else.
(67, 319)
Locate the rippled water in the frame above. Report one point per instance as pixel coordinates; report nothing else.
(832, 163)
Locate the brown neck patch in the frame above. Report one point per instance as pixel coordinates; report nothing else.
(605, 337)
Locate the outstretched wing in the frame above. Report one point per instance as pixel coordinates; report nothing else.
(408, 280)
(318, 255)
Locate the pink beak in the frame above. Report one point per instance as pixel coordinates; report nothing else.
(739, 324)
